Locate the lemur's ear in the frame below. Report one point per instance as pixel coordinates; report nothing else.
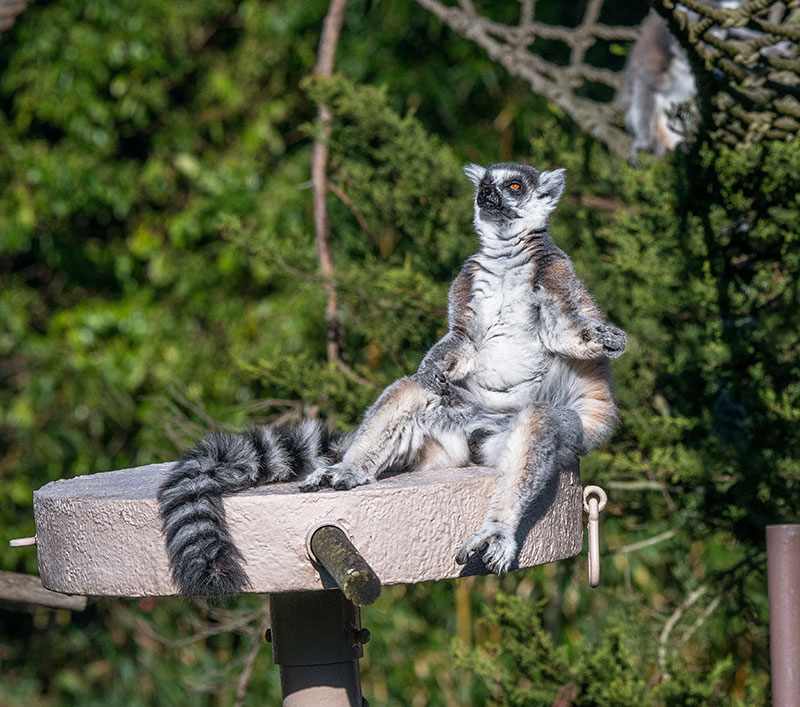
(475, 172)
(551, 186)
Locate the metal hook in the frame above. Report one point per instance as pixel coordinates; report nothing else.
(594, 501)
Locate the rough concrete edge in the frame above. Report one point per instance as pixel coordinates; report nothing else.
(572, 518)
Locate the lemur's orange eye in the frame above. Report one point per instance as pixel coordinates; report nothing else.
(513, 186)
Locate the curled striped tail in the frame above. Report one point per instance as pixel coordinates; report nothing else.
(203, 558)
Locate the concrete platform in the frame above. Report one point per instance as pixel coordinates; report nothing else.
(100, 534)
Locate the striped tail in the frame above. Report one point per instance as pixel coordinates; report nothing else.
(203, 558)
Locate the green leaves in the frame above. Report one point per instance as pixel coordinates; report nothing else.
(159, 278)
(524, 667)
(409, 188)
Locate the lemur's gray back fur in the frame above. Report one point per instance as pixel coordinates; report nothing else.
(520, 381)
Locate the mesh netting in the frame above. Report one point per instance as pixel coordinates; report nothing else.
(745, 62)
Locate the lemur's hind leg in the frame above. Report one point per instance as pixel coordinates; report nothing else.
(538, 443)
(392, 435)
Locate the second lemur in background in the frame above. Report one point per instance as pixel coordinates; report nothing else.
(658, 79)
(519, 382)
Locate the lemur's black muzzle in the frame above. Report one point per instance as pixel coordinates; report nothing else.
(489, 197)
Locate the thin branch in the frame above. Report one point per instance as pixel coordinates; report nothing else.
(235, 625)
(331, 30)
(342, 367)
(566, 695)
(348, 202)
(687, 603)
(712, 605)
(635, 485)
(730, 576)
(193, 407)
(28, 588)
(655, 540)
(247, 671)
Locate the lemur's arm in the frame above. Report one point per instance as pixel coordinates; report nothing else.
(571, 324)
(452, 358)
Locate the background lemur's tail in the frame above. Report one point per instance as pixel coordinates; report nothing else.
(203, 559)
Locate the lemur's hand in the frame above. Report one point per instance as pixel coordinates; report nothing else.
(612, 340)
(460, 363)
(431, 377)
(451, 359)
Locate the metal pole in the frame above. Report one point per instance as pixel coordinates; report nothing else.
(317, 636)
(783, 579)
(316, 641)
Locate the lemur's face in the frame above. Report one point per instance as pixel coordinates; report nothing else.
(505, 190)
(512, 197)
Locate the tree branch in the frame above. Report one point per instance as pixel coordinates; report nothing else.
(331, 29)
(663, 639)
(9, 9)
(250, 660)
(28, 589)
(337, 191)
(655, 540)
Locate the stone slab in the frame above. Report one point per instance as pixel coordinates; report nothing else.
(100, 534)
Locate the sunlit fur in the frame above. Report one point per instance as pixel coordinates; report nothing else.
(658, 80)
(203, 558)
(520, 381)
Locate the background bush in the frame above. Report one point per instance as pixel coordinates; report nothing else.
(159, 279)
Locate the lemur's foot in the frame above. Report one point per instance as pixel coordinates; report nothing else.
(338, 476)
(496, 542)
(612, 339)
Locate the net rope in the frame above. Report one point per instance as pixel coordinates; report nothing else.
(744, 94)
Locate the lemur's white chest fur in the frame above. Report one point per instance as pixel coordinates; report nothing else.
(511, 360)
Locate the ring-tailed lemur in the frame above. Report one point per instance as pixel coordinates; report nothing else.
(658, 79)
(520, 379)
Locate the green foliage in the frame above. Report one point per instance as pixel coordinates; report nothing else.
(409, 188)
(525, 668)
(395, 253)
(159, 278)
(712, 390)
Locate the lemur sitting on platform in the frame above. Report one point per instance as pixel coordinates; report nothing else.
(520, 382)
